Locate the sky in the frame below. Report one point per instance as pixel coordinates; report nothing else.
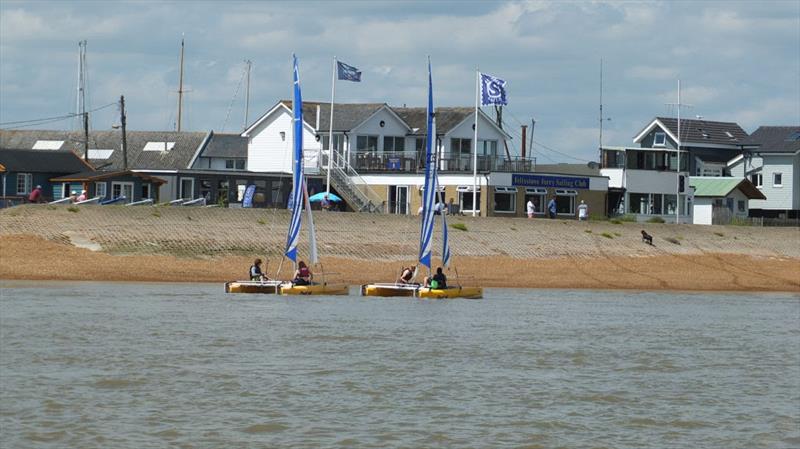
(737, 61)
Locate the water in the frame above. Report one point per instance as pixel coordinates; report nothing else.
(95, 365)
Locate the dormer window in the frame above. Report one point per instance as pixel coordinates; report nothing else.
(660, 139)
(730, 136)
(702, 133)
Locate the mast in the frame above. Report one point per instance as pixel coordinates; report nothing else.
(124, 137)
(247, 94)
(180, 89)
(600, 145)
(678, 168)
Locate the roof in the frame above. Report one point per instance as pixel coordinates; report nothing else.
(447, 118)
(181, 146)
(42, 161)
(775, 139)
(569, 169)
(723, 186)
(90, 176)
(698, 131)
(225, 145)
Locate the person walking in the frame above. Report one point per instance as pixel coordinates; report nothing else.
(531, 208)
(583, 211)
(551, 207)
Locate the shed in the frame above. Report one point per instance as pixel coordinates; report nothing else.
(717, 200)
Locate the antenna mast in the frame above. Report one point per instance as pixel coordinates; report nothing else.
(247, 94)
(600, 146)
(80, 103)
(180, 90)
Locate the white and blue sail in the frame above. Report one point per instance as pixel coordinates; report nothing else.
(298, 185)
(430, 188)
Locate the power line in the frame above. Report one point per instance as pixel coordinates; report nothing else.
(42, 121)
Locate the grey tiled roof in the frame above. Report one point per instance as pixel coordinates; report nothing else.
(41, 161)
(775, 139)
(179, 157)
(346, 115)
(226, 145)
(447, 118)
(705, 131)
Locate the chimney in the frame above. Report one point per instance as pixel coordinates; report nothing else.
(524, 135)
(317, 127)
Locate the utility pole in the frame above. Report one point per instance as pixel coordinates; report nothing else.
(124, 137)
(247, 94)
(180, 90)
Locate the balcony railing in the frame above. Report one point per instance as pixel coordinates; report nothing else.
(413, 162)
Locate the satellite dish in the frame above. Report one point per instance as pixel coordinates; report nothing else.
(592, 165)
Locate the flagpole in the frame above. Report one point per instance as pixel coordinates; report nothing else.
(330, 131)
(475, 153)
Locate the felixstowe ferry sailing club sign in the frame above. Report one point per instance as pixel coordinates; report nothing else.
(558, 182)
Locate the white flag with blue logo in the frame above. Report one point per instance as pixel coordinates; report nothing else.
(493, 90)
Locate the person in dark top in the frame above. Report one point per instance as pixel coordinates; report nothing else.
(36, 195)
(406, 275)
(303, 275)
(438, 280)
(255, 272)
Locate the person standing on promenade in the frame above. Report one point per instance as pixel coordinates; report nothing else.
(531, 208)
(583, 211)
(551, 207)
(36, 195)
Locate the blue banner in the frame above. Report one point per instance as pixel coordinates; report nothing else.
(348, 72)
(247, 201)
(556, 182)
(493, 90)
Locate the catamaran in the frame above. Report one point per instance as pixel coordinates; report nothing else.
(429, 198)
(298, 199)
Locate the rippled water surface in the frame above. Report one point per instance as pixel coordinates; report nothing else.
(95, 365)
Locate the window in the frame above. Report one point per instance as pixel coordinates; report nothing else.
(465, 198)
(537, 197)
(505, 199)
(47, 144)
(158, 146)
(391, 143)
(660, 139)
(100, 189)
(125, 189)
(240, 164)
(338, 141)
(777, 180)
(487, 148)
(205, 189)
(756, 179)
(565, 201)
(366, 143)
(229, 163)
(639, 203)
(741, 206)
(24, 181)
(187, 188)
(461, 146)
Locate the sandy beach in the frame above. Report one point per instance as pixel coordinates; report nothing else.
(216, 245)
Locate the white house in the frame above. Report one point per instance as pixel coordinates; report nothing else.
(771, 161)
(718, 200)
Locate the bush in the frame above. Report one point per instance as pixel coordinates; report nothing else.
(719, 234)
(673, 240)
(616, 221)
(607, 235)
(655, 220)
(73, 209)
(628, 218)
(588, 231)
(261, 221)
(459, 226)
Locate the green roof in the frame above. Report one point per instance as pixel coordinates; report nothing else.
(721, 187)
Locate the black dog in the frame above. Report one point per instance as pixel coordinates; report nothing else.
(647, 238)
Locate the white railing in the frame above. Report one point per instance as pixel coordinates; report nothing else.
(148, 201)
(94, 200)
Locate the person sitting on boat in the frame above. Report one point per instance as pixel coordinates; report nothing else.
(255, 272)
(302, 276)
(406, 274)
(438, 280)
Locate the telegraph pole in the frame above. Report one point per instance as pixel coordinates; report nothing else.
(124, 138)
(247, 94)
(86, 136)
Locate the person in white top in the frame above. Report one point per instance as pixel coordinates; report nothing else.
(531, 209)
(583, 211)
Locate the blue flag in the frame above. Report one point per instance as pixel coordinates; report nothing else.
(493, 90)
(348, 72)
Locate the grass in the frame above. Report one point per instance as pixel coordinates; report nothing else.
(655, 220)
(261, 221)
(607, 235)
(588, 231)
(673, 240)
(156, 213)
(513, 228)
(616, 221)
(719, 234)
(73, 209)
(459, 226)
(618, 234)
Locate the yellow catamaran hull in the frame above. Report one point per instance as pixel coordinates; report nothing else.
(317, 289)
(388, 290)
(452, 292)
(269, 287)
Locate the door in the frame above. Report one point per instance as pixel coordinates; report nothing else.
(401, 194)
(187, 188)
(125, 189)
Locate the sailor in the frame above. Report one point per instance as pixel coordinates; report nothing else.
(303, 275)
(255, 271)
(406, 274)
(438, 280)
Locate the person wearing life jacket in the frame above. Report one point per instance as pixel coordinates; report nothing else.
(437, 281)
(303, 275)
(255, 272)
(406, 274)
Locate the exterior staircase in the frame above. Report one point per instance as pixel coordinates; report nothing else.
(352, 187)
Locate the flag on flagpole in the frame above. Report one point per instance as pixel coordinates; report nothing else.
(493, 90)
(348, 72)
